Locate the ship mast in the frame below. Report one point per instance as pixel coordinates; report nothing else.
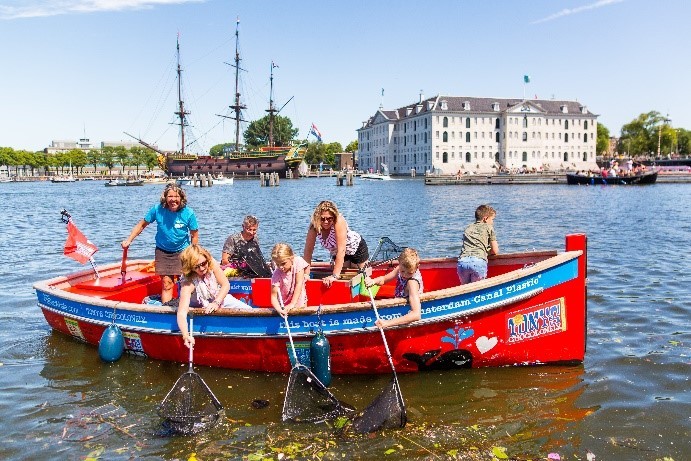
(181, 110)
(237, 107)
(271, 110)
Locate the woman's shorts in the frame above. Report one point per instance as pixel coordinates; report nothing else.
(361, 254)
(168, 263)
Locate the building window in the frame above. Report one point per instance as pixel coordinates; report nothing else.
(566, 137)
(496, 137)
(445, 157)
(525, 157)
(467, 137)
(566, 124)
(585, 125)
(496, 124)
(445, 124)
(467, 122)
(525, 136)
(525, 122)
(445, 137)
(585, 137)
(566, 156)
(585, 156)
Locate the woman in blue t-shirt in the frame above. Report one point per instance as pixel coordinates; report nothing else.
(176, 228)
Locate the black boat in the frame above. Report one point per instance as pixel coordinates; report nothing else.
(648, 177)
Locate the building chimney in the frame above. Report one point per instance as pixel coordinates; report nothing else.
(421, 96)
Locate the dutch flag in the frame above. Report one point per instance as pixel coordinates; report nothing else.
(315, 131)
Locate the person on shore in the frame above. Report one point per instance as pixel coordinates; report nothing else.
(288, 280)
(408, 285)
(176, 228)
(347, 247)
(242, 250)
(203, 285)
(479, 241)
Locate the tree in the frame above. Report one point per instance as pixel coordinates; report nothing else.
(122, 156)
(683, 141)
(93, 157)
(219, 149)
(108, 158)
(353, 145)
(602, 143)
(643, 135)
(150, 159)
(257, 133)
(137, 155)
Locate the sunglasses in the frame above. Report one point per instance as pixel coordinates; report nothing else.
(200, 265)
(327, 218)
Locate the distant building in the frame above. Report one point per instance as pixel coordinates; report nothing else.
(345, 160)
(61, 146)
(447, 134)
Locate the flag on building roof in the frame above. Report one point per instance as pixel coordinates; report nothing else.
(77, 246)
(526, 78)
(315, 132)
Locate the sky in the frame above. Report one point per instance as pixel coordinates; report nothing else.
(99, 68)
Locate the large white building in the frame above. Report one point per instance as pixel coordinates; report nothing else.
(448, 134)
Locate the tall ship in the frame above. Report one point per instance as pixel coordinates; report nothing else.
(235, 161)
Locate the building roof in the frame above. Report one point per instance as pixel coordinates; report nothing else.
(476, 105)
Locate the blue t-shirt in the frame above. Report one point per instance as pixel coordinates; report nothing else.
(172, 227)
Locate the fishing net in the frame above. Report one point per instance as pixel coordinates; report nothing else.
(249, 260)
(308, 400)
(387, 411)
(386, 251)
(190, 407)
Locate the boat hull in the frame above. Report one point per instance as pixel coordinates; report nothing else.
(531, 312)
(645, 178)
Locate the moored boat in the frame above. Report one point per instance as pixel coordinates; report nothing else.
(221, 180)
(68, 178)
(648, 177)
(382, 175)
(530, 310)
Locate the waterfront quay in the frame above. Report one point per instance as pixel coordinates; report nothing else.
(528, 178)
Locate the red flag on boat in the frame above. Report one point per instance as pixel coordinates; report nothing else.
(77, 246)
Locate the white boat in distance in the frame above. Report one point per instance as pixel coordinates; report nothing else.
(221, 180)
(382, 176)
(184, 181)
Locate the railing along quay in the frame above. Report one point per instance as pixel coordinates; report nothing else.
(476, 179)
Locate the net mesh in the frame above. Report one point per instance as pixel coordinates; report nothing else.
(249, 260)
(190, 407)
(387, 411)
(386, 251)
(308, 400)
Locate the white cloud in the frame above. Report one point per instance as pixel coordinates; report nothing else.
(14, 9)
(580, 9)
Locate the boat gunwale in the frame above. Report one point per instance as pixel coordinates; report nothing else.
(52, 286)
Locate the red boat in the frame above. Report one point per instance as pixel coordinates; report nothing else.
(530, 310)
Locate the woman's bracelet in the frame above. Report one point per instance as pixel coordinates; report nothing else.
(337, 277)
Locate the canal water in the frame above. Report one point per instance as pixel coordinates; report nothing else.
(629, 400)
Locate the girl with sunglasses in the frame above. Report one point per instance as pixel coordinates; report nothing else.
(203, 285)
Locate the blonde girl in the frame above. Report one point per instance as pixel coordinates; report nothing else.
(288, 279)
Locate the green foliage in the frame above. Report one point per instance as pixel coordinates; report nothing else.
(352, 146)
(218, 149)
(645, 134)
(257, 133)
(602, 144)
